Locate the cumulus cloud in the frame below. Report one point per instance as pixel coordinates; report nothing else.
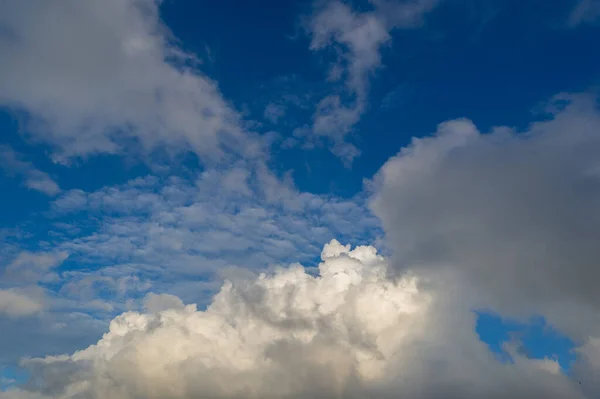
(350, 332)
(35, 179)
(356, 38)
(515, 213)
(100, 76)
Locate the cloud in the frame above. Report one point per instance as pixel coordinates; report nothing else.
(348, 333)
(160, 302)
(32, 267)
(586, 11)
(17, 303)
(274, 112)
(514, 214)
(356, 39)
(35, 179)
(103, 77)
(229, 218)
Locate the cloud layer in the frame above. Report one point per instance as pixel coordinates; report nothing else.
(348, 333)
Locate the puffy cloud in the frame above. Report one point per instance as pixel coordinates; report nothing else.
(514, 213)
(512, 216)
(35, 179)
(356, 38)
(169, 236)
(98, 76)
(350, 332)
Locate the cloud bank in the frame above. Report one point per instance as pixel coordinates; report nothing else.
(349, 332)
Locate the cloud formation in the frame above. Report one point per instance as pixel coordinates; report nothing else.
(102, 77)
(514, 213)
(176, 231)
(35, 179)
(356, 38)
(19, 303)
(28, 267)
(348, 333)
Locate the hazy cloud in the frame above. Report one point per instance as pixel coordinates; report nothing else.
(14, 165)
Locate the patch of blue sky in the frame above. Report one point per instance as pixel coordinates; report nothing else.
(535, 338)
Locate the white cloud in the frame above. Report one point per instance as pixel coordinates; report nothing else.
(357, 39)
(102, 76)
(35, 179)
(348, 333)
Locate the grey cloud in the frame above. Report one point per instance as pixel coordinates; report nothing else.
(515, 214)
(28, 267)
(97, 76)
(19, 302)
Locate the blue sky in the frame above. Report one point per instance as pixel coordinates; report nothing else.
(164, 147)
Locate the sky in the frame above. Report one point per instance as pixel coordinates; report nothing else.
(299, 199)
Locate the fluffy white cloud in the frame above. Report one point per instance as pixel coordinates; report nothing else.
(35, 179)
(99, 76)
(348, 333)
(356, 38)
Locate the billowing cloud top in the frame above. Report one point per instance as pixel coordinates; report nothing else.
(349, 332)
(504, 220)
